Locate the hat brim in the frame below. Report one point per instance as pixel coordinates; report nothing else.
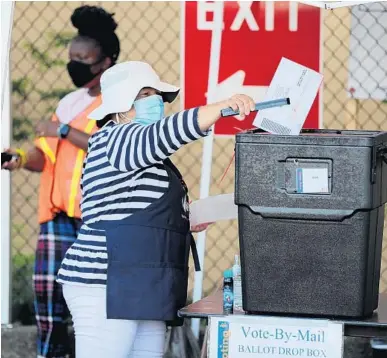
(99, 113)
(168, 93)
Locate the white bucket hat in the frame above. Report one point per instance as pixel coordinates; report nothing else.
(121, 84)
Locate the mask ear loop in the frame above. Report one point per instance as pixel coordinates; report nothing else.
(120, 116)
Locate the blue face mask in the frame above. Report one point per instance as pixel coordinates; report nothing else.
(149, 110)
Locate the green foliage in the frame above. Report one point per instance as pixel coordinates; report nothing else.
(62, 39)
(22, 271)
(55, 93)
(23, 128)
(43, 59)
(23, 88)
(22, 292)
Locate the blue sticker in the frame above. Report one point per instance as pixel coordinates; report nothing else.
(299, 181)
(223, 339)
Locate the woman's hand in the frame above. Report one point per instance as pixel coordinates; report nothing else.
(200, 227)
(47, 129)
(240, 102)
(13, 163)
(33, 161)
(210, 114)
(75, 136)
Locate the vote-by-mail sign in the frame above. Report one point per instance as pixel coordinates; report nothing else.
(239, 336)
(255, 36)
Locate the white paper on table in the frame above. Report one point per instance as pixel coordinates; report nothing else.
(213, 209)
(301, 85)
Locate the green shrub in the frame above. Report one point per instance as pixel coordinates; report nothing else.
(22, 289)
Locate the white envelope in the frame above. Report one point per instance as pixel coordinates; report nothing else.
(213, 209)
(301, 85)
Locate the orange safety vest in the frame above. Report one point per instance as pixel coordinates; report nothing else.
(60, 179)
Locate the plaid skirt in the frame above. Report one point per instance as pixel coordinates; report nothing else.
(51, 312)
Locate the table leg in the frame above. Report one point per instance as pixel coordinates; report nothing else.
(204, 346)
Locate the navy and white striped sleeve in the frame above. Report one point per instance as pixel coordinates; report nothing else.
(133, 146)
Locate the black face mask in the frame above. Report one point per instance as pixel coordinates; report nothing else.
(80, 73)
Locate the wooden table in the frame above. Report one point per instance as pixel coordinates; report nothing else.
(372, 327)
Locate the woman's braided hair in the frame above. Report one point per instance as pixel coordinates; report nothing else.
(96, 23)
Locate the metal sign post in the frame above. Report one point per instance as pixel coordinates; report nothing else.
(6, 27)
(205, 180)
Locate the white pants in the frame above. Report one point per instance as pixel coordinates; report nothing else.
(99, 337)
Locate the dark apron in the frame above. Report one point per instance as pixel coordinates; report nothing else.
(148, 255)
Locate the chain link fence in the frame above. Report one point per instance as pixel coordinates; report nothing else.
(150, 31)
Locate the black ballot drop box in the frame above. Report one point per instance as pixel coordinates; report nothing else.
(311, 214)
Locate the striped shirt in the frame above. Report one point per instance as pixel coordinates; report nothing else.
(123, 173)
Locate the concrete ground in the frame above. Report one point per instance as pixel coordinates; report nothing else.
(19, 342)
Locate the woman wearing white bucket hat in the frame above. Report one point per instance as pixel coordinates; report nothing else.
(126, 276)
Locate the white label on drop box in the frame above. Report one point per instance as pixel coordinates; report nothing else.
(312, 180)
